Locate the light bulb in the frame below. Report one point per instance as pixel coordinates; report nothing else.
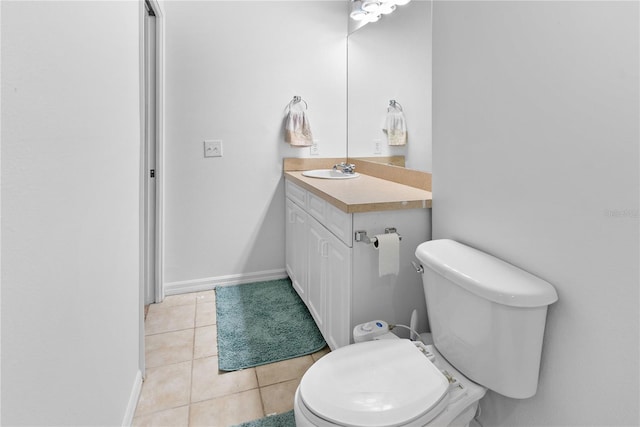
(387, 7)
(373, 17)
(358, 15)
(371, 6)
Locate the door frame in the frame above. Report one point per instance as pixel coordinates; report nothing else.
(159, 167)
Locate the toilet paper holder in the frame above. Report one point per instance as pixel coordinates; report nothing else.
(361, 236)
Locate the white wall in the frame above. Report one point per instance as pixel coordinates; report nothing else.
(391, 59)
(232, 67)
(0, 221)
(70, 183)
(536, 141)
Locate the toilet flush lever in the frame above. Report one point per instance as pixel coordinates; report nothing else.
(419, 268)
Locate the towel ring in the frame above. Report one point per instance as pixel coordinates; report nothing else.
(395, 104)
(296, 99)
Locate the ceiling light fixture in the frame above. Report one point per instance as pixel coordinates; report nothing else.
(372, 10)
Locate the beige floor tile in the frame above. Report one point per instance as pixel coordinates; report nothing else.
(206, 314)
(168, 348)
(206, 296)
(165, 387)
(278, 398)
(318, 354)
(227, 410)
(182, 299)
(208, 382)
(176, 417)
(169, 318)
(206, 342)
(283, 371)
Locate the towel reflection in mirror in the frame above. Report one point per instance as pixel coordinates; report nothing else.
(395, 124)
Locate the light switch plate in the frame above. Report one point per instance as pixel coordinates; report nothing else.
(213, 148)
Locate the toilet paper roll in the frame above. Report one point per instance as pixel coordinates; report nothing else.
(388, 246)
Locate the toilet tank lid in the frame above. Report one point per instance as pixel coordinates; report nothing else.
(485, 275)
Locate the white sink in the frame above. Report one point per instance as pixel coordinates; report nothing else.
(329, 174)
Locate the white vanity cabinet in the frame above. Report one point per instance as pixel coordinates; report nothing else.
(337, 278)
(318, 262)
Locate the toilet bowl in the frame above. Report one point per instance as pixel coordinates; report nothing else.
(385, 383)
(487, 322)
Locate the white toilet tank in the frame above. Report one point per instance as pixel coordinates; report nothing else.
(487, 317)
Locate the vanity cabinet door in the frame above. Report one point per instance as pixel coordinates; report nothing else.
(338, 293)
(317, 249)
(296, 248)
(329, 284)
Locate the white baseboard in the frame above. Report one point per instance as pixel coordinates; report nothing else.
(208, 283)
(133, 400)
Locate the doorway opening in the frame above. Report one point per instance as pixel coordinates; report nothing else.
(151, 162)
(152, 129)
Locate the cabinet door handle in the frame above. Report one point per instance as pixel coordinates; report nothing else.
(325, 249)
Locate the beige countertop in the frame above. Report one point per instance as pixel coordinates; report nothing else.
(363, 194)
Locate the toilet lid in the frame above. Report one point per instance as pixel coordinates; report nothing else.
(374, 383)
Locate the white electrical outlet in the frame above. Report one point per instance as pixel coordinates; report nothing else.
(213, 148)
(377, 146)
(314, 150)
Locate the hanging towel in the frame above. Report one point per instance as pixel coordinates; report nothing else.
(395, 126)
(297, 130)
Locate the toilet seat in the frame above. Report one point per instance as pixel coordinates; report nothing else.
(374, 383)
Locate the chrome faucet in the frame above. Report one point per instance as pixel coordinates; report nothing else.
(347, 168)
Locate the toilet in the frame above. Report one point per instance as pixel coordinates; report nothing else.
(487, 322)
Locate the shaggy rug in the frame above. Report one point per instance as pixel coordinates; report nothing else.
(263, 322)
(285, 419)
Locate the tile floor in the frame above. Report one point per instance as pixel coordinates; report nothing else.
(183, 386)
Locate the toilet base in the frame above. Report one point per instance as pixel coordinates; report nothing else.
(462, 420)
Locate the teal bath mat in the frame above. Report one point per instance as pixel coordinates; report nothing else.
(261, 323)
(286, 419)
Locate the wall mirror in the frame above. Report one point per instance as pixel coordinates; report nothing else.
(391, 60)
